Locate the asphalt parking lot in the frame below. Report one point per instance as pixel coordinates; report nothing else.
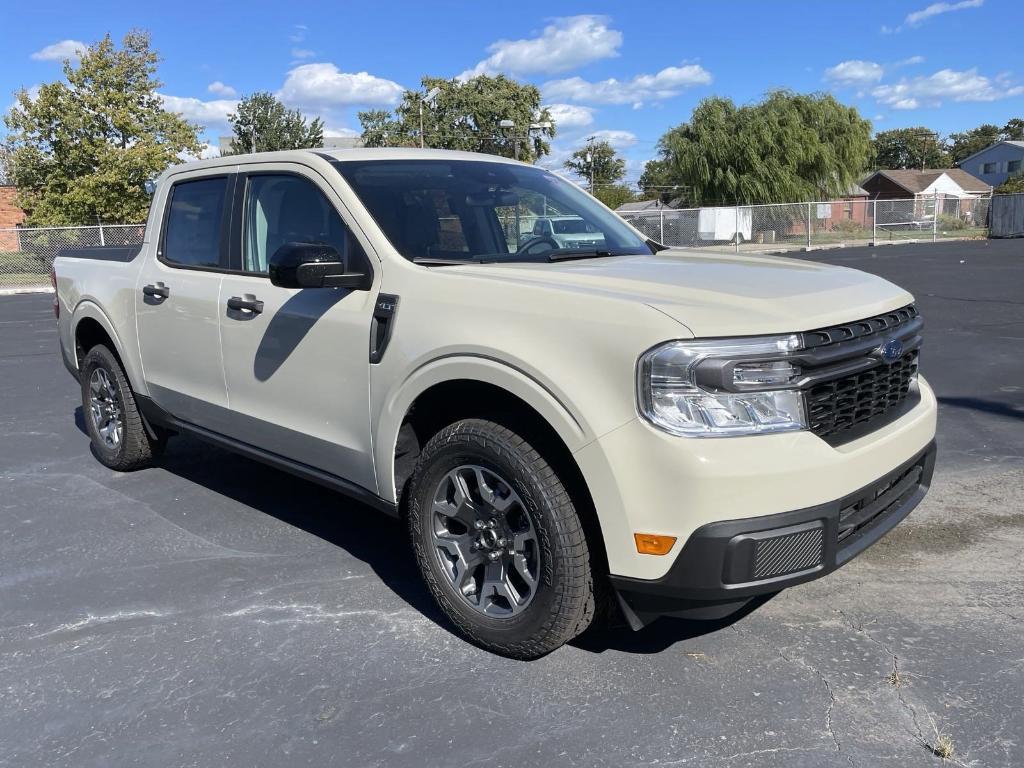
(215, 612)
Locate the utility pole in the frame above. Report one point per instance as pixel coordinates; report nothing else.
(590, 159)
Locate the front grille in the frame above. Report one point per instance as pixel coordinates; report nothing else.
(869, 388)
(870, 326)
(837, 405)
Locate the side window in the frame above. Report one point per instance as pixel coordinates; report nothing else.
(283, 209)
(192, 232)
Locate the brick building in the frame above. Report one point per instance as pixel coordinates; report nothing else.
(10, 216)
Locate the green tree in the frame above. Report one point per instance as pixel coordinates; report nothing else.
(81, 150)
(909, 148)
(1012, 186)
(786, 148)
(262, 124)
(614, 195)
(963, 145)
(597, 163)
(465, 115)
(5, 165)
(1013, 130)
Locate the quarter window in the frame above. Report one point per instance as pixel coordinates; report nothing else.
(192, 234)
(283, 209)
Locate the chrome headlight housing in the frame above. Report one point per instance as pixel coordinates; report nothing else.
(680, 387)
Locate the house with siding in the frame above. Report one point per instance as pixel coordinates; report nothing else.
(910, 184)
(996, 163)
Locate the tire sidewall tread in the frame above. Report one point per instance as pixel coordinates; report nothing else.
(564, 604)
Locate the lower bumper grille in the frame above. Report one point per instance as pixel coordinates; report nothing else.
(789, 554)
(838, 405)
(857, 517)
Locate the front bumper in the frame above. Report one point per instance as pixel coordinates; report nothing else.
(726, 563)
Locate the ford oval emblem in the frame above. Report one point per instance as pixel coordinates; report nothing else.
(891, 351)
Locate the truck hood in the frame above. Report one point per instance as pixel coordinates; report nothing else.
(715, 294)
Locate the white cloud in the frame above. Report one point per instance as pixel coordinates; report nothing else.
(207, 113)
(562, 45)
(217, 88)
(935, 9)
(65, 49)
(618, 139)
(854, 73)
(910, 61)
(324, 85)
(945, 85)
(665, 84)
(567, 116)
(302, 53)
(298, 33)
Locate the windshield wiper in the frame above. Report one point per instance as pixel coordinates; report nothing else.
(565, 254)
(430, 261)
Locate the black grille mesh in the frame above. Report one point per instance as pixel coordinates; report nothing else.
(837, 405)
(788, 554)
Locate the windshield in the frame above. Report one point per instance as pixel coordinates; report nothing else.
(467, 210)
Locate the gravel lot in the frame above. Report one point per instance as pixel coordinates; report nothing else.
(216, 612)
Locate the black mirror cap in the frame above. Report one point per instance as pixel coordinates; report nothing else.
(312, 265)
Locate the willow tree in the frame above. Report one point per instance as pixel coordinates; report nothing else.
(82, 150)
(789, 147)
(466, 115)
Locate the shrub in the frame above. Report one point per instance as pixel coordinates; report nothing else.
(948, 222)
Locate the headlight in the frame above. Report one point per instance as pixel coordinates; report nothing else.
(671, 398)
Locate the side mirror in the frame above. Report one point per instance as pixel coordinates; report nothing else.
(313, 265)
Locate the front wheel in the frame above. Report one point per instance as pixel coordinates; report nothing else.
(498, 540)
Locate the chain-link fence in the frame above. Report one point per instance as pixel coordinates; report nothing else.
(27, 253)
(853, 221)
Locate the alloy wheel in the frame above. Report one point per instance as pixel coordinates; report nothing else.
(485, 541)
(105, 410)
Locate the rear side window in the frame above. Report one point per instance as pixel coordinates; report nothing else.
(192, 231)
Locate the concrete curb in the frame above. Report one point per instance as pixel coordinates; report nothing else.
(19, 291)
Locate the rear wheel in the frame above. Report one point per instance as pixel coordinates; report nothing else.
(498, 540)
(112, 419)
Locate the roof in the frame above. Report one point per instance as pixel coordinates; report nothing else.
(361, 153)
(1018, 144)
(641, 205)
(918, 181)
(856, 190)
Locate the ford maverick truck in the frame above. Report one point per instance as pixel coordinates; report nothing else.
(564, 424)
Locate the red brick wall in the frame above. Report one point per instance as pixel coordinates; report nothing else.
(10, 216)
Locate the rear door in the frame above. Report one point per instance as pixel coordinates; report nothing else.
(176, 300)
(297, 364)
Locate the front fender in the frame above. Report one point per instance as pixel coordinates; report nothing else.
(570, 426)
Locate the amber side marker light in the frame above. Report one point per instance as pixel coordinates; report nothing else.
(653, 544)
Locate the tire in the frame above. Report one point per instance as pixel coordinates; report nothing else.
(107, 393)
(560, 602)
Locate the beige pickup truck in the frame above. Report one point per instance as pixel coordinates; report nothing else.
(563, 428)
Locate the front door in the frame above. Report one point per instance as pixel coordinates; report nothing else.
(176, 302)
(296, 361)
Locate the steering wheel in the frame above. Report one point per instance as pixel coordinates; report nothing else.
(528, 247)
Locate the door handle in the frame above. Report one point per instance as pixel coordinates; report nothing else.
(239, 303)
(157, 291)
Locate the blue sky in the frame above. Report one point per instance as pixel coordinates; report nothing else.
(622, 71)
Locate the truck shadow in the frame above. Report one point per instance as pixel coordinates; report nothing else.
(660, 634)
(378, 540)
